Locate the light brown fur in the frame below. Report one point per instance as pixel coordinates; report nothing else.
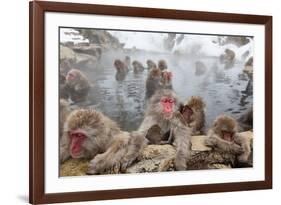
(64, 112)
(238, 145)
(106, 144)
(179, 131)
(196, 121)
(79, 87)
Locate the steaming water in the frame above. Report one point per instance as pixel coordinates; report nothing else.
(124, 101)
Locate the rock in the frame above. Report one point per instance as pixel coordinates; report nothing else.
(159, 158)
(74, 167)
(198, 143)
(93, 50)
(238, 41)
(155, 158)
(248, 69)
(67, 53)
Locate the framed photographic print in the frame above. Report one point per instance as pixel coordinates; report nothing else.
(139, 102)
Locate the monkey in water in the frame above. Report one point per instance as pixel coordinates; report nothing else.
(127, 62)
(152, 82)
(162, 65)
(194, 114)
(138, 67)
(121, 70)
(77, 85)
(150, 64)
(162, 110)
(166, 80)
(223, 137)
(91, 135)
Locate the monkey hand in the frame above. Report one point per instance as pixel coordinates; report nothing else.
(210, 141)
(237, 149)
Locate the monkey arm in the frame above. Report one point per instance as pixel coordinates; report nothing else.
(217, 143)
(246, 147)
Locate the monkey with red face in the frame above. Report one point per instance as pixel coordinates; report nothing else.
(89, 134)
(166, 80)
(163, 111)
(223, 136)
(77, 85)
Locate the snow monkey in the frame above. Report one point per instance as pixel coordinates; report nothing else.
(223, 136)
(91, 135)
(127, 62)
(162, 65)
(194, 114)
(77, 85)
(162, 111)
(166, 79)
(152, 82)
(122, 70)
(138, 67)
(150, 64)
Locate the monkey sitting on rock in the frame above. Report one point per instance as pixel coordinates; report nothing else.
(223, 137)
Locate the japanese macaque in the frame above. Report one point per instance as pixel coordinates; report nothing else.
(162, 65)
(194, 114)
(152, 82)
(228, 58)
(127, 62)
(246, 120)
(64, 112)
(122, 70)
(77, 85)
(166, 80)
(91, 135)
(162, 111)
(223, 137)
(138, 67)
(150, 64)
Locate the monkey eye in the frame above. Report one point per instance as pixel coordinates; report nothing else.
(167, 100)
(71, 75)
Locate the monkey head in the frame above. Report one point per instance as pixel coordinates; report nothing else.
(194, 104)
(151, 64)
(164, 103)
(73, 76)
(162, 64)
(155, 73)
(166, 77)
(82, 127)
(119, 65)
(225, 127)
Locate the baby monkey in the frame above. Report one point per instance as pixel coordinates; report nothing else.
(223, 137)
(194, 114)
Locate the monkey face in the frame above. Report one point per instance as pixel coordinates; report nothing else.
(77, 138)
(228, 136)
(167, 104)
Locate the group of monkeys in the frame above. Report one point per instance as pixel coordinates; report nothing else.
(88, 133)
